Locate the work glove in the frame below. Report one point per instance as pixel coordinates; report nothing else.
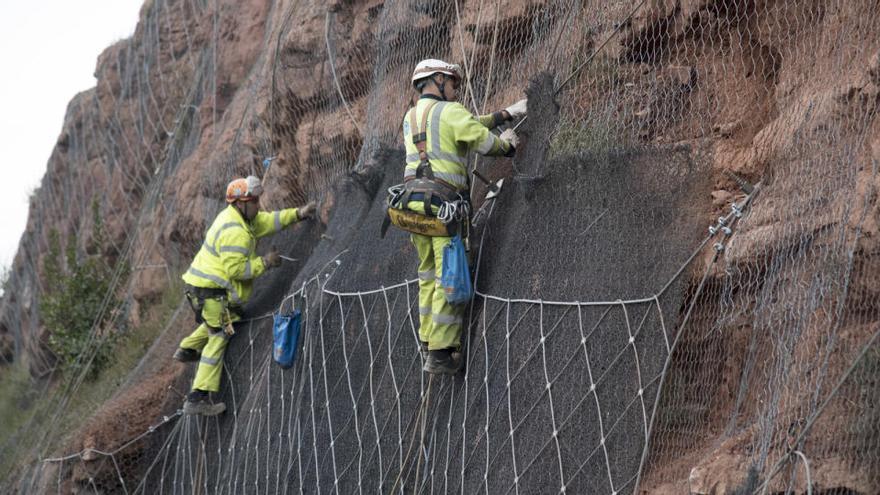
(272, 259)
(307, 211)
(518, 109)
(510, 136)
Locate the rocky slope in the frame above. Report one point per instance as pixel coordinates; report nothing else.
(781, 93)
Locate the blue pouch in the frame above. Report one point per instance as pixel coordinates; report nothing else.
(456, 276)
(285, 329)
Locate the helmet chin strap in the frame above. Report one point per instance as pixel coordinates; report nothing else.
(441, 86)
(241, 206)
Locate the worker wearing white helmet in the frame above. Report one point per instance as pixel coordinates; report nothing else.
(438, 134)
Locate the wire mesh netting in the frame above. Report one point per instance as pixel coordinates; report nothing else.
(613, 346)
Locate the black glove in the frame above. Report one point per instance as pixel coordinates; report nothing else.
(272, 259)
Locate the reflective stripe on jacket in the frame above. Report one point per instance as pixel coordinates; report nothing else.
(228, 259)
(452, 132)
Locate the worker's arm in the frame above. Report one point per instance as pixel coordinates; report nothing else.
(492, 120)
(270, 222)
(235, 252)
(495, 119)
(472, 133)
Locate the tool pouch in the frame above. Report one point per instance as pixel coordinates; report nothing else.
(196, 297)
(430, 194)
(416, 223)
(197, 304)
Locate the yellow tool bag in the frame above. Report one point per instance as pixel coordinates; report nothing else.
(435, 199)
(417, 223)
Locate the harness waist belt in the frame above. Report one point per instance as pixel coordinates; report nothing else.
(205, 292)
(418, 196)
(452, 188)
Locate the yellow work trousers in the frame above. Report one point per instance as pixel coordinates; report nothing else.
(439, 321)
(210, 340)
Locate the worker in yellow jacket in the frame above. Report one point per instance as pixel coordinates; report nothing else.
(220, 280)
(438, 134)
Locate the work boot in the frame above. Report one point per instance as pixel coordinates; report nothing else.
(443, 361)
(185, 355)
(199, 402)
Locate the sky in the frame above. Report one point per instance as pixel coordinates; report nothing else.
(48, 51)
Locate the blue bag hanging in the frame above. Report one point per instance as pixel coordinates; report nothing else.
(456, 276)
(285, 329)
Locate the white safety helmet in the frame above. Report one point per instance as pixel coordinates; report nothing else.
(244, 189)
(431, 66)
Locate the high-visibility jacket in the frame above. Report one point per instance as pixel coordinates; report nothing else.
(228, 259)
(452, 132)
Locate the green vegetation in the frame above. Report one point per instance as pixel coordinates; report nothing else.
(591, 136)
(5, 274)
(79, 298)
(127, 350)
(24, 399)
(17, 396)
(89, 336)
(597, 128)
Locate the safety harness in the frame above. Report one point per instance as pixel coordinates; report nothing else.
(453, 207)
(196, 297)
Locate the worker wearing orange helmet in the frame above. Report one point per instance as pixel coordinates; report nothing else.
(220, 280)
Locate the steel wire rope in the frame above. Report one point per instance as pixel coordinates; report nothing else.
(92, 351)
(818, 413)
(589, 59)
(425, 400)
(281, 30)
(106, 300)
(252, 87)
(467, 65)
(654, 301)
(731, 219)
(335, 77)
(75, 383)
(651, 300)
(806, 470)
(850, 259)
(369, 382)
(770, 427)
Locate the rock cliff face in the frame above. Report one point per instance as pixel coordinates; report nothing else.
(784, 94)
(156, 110)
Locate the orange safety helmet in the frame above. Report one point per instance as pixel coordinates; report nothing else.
(244, 189)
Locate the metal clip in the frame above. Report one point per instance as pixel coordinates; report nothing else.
(228, 328)
(737, 212)
(722, 221)
(726, 230)
(395, 194)
(712, 230)
(719, 247)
